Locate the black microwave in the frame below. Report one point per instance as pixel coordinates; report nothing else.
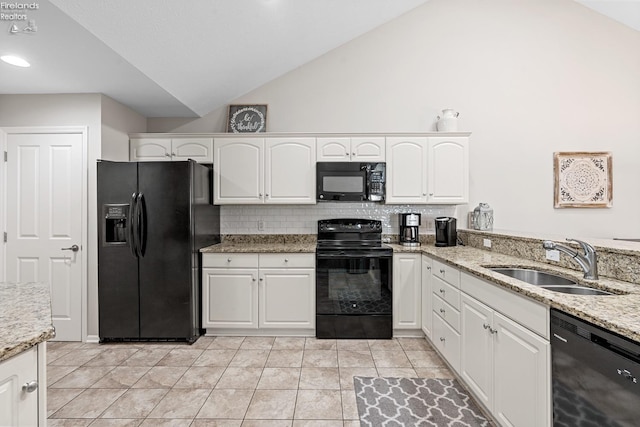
(350, 181)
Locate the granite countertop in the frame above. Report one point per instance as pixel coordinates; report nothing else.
(619, 313)
(275, 247)
(25, 317)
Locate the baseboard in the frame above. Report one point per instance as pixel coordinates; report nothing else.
(94, 339)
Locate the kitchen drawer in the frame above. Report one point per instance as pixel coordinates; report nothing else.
(527, 312)
(446, 312)
(447, 292)
(287, 260)
(229, 260)
(447, 273)
(447, 341)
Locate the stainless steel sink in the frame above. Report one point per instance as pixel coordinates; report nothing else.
(534, 277)
(548, 281)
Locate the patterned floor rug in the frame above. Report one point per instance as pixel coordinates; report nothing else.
(406, 402)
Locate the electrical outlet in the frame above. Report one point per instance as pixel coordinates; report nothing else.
(486, 243)
(260, 225)
(553, 254)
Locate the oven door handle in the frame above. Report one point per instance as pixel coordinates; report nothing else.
(352, 256)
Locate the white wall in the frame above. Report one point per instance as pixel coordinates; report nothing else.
(529, 77)
(117, 122)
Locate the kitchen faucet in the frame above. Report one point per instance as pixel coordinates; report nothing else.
(587, 261)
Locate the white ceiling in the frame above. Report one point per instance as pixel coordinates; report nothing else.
(166, 58)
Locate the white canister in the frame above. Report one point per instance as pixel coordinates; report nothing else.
(482, 217)
(449, 121)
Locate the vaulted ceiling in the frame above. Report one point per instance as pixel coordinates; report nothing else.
(166, 58)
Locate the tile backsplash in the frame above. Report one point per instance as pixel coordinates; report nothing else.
(303, 219)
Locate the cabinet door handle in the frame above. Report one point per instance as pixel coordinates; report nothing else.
(262, 279)
(286, 260)
(228, 259)
(167, 155)
(442, 339)
(30, 387)
(431, 194)
(424, 194)
(441, 291)
(267, 195)
(429, 267)
(253, 279)
(442, 271)
(173, 154)
(493, 331)
(442, 310)
(484, 325)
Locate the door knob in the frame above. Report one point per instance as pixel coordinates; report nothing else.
(74, 248)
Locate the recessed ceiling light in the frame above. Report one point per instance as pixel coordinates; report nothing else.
(14, 60)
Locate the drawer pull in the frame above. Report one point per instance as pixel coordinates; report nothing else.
(428, 267)
(30, 387)
(442, 310)
(486, 326)
(441, 291)
(286, 260)
(493, 331)
(442, 271)
(442, 339)
(228, 259)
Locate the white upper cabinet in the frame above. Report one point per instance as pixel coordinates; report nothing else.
(406, 170)
(448, 170)
(345, 149)
(256, 170)
(290, 170)
(165, 149)
(427, 170)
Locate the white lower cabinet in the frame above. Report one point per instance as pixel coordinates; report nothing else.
(258, 291)
(407, 289)
(23, 389)
(427, 298)
(504, 363)
(445, 283)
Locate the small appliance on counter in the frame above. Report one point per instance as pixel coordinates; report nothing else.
(409, 223)
(446, 233)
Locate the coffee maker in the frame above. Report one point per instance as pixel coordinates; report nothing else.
(446, 233)
(409, 223)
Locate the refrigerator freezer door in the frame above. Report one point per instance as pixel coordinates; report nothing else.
(117, 266)
(166, 286)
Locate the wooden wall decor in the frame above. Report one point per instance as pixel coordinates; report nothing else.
(582, 179)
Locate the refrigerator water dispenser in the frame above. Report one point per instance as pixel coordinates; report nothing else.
(114, 224)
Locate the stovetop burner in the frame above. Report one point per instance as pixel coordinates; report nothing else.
(349, 233)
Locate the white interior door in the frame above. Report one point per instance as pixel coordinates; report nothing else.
(44, 220)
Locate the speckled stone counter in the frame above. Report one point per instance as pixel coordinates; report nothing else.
(619, 313)
(25, 317)
(269, 243)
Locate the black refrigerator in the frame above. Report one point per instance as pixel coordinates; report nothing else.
(153, 217)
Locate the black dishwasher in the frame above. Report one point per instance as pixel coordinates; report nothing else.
(595, 375)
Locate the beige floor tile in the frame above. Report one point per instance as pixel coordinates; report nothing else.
(58, 397)
(215, 423)
(350, 359)
(279, 379)
(389, 345)
(239, 378)
(442, 372)
(56, 353)
(51, 422)
(55, 373)
(349, 405)
(215, 358)
(347, 374)
(250, 358)
(226, 404)
(319, 379)
(112, 357)
(289, 343)
(121, 377)
(414, 344)
(200, 377)
(284, 359)
(266, 423)
(390, 359)
(353, 345)
(318, 405)
(226, 343)
(202, 342)
(320, 344)
(272, 405)
(350, 424)
(180, 357)
(398, 372)
(116, 422)
(82, 377)
(180, 403)
(176, 422)
(161, 377)
(135, 403)
(320, 359)
(318, 423)
(424, 359)
(89, 404)
(76, 357)
(147, 357)
(257, 343)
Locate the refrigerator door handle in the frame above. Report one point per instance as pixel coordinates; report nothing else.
(131, 226)
(142, 224)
